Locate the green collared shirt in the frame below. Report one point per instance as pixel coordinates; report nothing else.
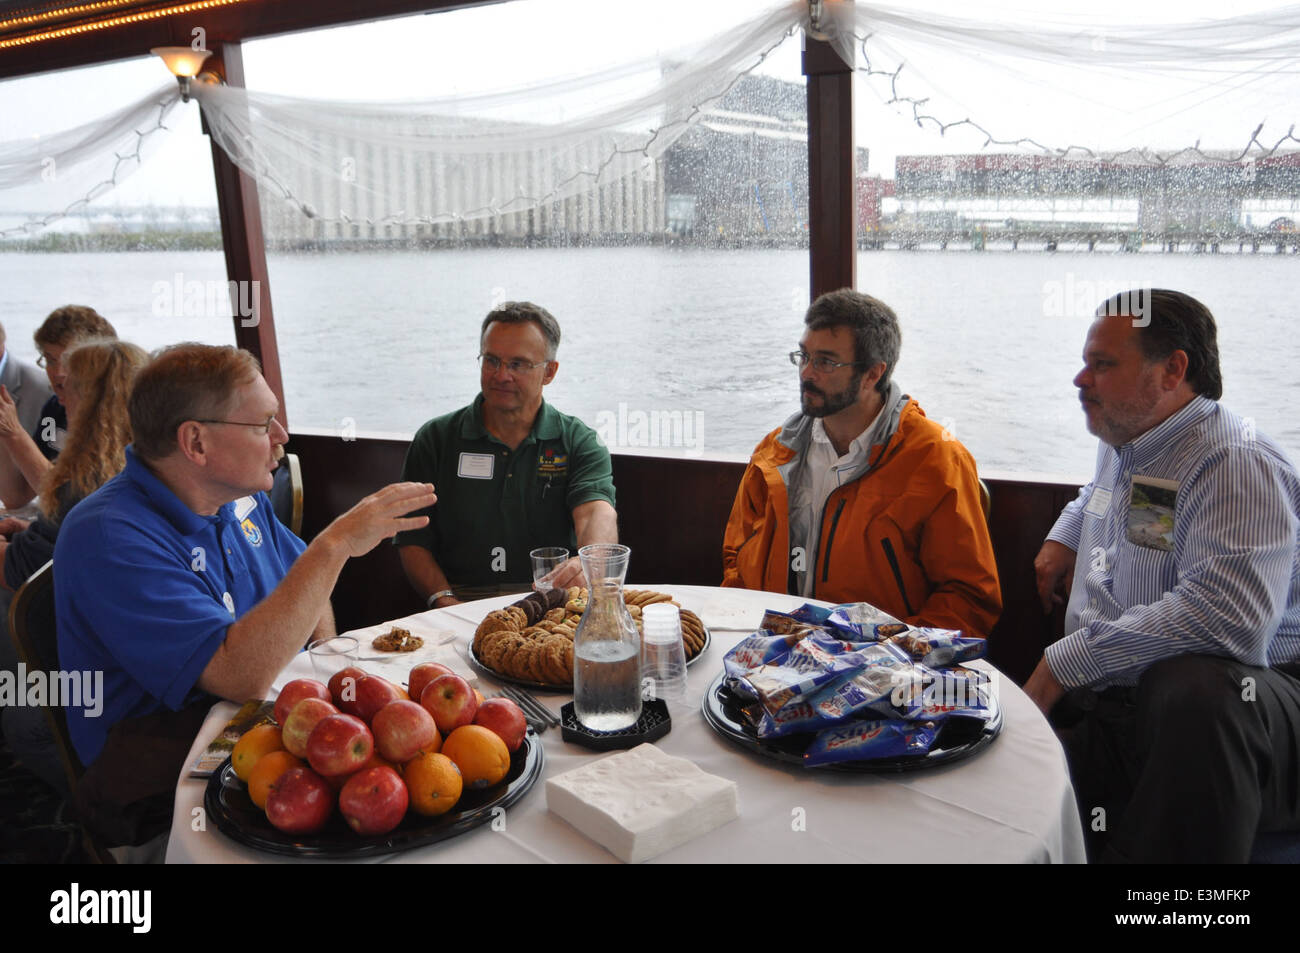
(496, 504)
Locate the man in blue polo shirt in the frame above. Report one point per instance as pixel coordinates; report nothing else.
(175, 579)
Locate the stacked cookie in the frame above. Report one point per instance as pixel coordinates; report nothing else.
(532, 639)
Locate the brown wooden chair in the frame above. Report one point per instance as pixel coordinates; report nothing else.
(286, 493)
(31, 624)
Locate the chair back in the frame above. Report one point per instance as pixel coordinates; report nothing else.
(31, 623)
(286, 493)
(986, 502)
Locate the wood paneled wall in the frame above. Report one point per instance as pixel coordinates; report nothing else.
(672, 513)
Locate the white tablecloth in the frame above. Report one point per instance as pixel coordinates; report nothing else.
(1012, 802)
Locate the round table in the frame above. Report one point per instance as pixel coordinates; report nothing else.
(1010, 803)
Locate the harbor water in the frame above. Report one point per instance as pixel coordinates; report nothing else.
(682, 351)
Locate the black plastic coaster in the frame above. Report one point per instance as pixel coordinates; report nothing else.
(654, 723)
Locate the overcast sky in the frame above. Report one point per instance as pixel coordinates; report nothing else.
(515, 45)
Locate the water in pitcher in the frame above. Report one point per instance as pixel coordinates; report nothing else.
(607, 685)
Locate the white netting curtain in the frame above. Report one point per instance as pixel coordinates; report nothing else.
(1224, 90)
(1148, 91)
(480, 156)
(47, 178)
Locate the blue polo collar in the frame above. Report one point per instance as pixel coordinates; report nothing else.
(184, 519)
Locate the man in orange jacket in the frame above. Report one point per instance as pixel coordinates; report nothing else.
(860, 497)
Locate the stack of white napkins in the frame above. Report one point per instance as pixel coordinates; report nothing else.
(640, 803)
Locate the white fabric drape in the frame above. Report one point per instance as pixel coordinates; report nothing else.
(483, 155)
(62, 173)
(1222, 91)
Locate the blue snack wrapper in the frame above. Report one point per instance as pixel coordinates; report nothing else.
(866, 740)
(939, 647)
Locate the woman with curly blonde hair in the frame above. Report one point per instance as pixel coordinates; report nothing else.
(99, 377)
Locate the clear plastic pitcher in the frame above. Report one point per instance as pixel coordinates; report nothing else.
(607, 646)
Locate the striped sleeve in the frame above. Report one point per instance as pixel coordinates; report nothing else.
(1234, 543)
(1069, 525)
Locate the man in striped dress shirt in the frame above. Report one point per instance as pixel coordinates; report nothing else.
(1178, 676)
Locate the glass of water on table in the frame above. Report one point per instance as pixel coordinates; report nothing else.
(545, 561)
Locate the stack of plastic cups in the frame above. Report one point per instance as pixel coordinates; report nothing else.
(663, 657)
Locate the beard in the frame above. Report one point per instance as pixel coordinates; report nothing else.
(1119, 422)
(832, 402)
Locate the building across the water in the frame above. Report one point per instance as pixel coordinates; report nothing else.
(738, 176)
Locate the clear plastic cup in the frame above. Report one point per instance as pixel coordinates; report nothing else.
(332, 655)
(663, 656)
(545, 561)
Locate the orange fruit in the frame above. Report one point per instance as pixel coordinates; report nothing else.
(480, 754)
(434, 783)
(479, 695)
(266, 773)
(250, 748)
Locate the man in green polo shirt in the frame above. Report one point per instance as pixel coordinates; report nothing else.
(513, 473)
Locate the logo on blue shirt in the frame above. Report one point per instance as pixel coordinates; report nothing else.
(251, 532)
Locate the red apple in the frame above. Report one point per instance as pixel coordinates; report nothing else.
(301, 721)
(295, 692)
(504, 717)
(336, 782)
(339, 744)
(451, 702)
(300, 803)
(402, 730)
(343, 688)
(374, 801)
(373, 693)
(422, 675)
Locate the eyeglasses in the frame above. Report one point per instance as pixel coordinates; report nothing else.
(822, 365)
(491, 363)
(264, 427)
(46, 361)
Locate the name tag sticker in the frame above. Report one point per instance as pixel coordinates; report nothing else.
(1098, 502)
(475, 466)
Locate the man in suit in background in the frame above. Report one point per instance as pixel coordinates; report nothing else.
(25, 389)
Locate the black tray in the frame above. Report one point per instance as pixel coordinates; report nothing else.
(226, 801)
(959, 738)
(654, 723)
(549, 688)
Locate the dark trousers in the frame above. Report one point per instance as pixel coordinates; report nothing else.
(1189, 765)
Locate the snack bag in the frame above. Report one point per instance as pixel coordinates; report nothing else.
(757, 650)
(939, 647)
(884, 673)
(956, 692)
(863, 622)
(811, 665)
(783, 623)
(865, 740)
(798, 717)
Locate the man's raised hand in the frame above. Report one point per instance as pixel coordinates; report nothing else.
(380, 515)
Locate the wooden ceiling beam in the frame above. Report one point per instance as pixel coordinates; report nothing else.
(239, 21)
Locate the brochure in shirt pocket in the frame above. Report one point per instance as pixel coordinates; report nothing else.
(1151, 513)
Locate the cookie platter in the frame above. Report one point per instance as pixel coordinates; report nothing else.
(530, 643)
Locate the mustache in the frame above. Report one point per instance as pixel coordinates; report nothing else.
(807, 387)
